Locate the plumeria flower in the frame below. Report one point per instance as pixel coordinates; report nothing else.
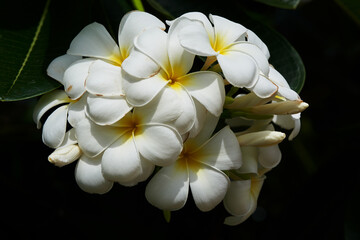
(198, 168)
(241, 199)
(54, 128)
(169, 72)
(100, 72)
(133, 145)
(241, 61)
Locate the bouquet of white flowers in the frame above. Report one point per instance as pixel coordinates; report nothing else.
(142, 109)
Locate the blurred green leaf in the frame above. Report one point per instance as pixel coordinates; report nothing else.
(287, 4)
(351, 7)
(21, 66)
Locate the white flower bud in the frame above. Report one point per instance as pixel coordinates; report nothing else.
(261, 138)
(281, 108)
(65, 155)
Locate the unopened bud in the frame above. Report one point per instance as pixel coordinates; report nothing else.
(65, 155)
(261, 138)
(280, 108)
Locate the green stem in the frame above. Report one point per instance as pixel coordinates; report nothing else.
(209, 60)
(138, 5)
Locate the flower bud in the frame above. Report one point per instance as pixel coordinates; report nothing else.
(65, 155)
(261, 138)
(280, 108)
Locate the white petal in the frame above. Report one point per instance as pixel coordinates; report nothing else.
(226, 31)
(58, 66)
(121, 160)
(296, 129)
(77, 111)
(104, 79)
(106, 110)
(48, 101)
(187, 118)
(75, 76)
(89, 177)
(238, 68)
(140, 65)
(181, 60)
(169, 188)
(254, 39)
(93, 139)
(70, 138)
(55, 127)
(284, 88)
(264, 88)
(131, 25)
(209, 125)
(195, 39)
(208, 186)
(250, 160)
(254, 52)
(141, 91)
(238, 199)
(201, 118)
(203, 19)
(164, 108)
(269, 157)
(159, 144)
(95, 41)
(207, 88)
(222, 151)
(152, 43)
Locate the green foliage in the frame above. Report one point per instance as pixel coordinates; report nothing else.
(22, 59)
(287, 4)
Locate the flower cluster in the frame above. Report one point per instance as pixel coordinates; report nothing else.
(140, 109)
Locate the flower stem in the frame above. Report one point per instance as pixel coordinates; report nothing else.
(138, 5)
(209, 60)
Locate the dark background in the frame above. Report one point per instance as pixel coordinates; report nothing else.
(314, 193)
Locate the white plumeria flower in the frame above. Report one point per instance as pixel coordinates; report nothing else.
(133, 145)
(241, 199)
(54, 128)
(241, 61)
(198, 167)
(102, 78)
(145, 80)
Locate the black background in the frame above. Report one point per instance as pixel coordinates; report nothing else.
(312, 194)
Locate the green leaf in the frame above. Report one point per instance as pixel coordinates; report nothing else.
(287, 4)
(21, 66)
(351, 7)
